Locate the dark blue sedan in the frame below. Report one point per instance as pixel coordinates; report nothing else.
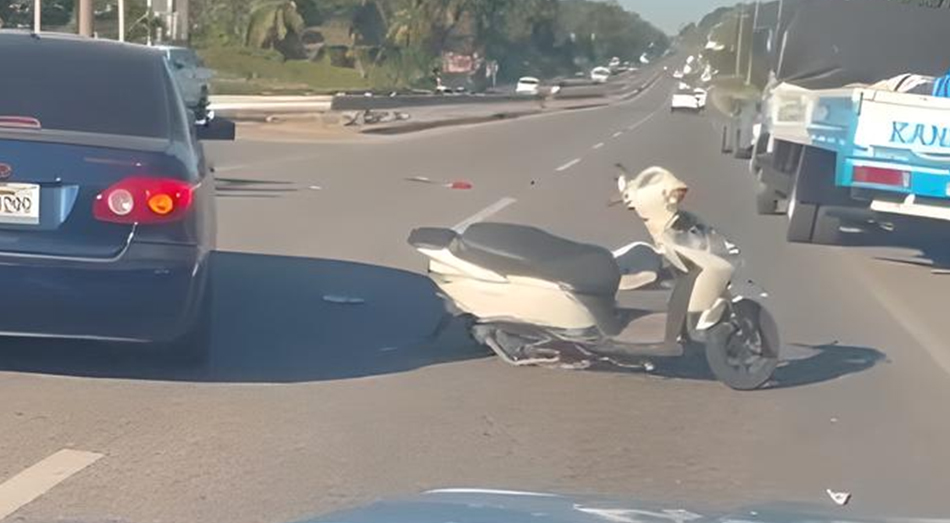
(107, 215)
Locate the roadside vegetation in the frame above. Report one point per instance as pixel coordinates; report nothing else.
(330, 45)
(292, 46)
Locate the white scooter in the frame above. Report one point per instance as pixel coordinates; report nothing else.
(535, 298)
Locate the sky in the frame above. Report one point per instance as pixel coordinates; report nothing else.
(669, 15)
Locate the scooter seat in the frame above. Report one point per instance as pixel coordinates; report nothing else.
(519, 250)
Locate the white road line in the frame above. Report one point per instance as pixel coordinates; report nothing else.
(568, 165)
(617, 134)
(484, 213)
(598, 145)
(41, 477)
(643, 120)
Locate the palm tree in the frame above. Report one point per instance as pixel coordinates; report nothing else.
(272, 24)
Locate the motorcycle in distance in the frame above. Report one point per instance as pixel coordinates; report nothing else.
(535, 298)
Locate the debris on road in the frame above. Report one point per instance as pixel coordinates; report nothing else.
(343, 300)
(315, 188)
(840, 498)
(457, 184)
(370, 117)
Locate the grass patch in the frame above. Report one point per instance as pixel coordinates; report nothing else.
(249, 71)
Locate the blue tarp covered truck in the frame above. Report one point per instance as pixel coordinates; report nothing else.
(836, 141)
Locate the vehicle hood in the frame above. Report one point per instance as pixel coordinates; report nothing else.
(504, 506)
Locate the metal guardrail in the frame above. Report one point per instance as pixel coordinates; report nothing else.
(274, 104)
(229, 105)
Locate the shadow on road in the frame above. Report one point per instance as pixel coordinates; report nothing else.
(925, 241)
(248, 188)
(802, 365)
(283, 320)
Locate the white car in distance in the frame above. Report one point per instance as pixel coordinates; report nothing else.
(688, 100)
(701, 96)
(528, 86)
(599, 75)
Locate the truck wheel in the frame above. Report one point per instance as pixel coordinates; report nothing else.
(801, 219)
(726, 148)
(827, 229)
(741, 153)
(765, 200)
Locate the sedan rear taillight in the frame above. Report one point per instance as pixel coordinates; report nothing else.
(881, 176)
(143, 199)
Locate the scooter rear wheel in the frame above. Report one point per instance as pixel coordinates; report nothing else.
(743, 352)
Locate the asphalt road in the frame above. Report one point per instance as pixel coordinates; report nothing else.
(310, 406)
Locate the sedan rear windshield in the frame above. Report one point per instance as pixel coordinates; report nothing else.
(86, 87)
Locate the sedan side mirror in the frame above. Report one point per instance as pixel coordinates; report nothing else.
(217, 129)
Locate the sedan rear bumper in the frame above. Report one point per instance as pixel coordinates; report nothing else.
(152, 293)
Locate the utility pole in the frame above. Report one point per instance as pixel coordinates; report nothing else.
(121, 8)
(37, 16)
(85, 17)
(778, 25)
(182, 9)
(755, 21)
(148, 22)
(739, 39)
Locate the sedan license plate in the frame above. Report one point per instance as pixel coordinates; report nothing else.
(20, 203)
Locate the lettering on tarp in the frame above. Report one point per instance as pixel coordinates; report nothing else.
(905, 133)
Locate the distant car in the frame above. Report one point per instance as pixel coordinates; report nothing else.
(686, 100)
(701, 96)
(108, 216)
(678, 74)
(528, 86)
(600, 75)
(192, 77)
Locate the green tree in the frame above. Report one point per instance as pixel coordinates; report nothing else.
(275, 24)
(19, 13)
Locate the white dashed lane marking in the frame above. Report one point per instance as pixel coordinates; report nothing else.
(484, 213)
(568, 165)
(38, 479)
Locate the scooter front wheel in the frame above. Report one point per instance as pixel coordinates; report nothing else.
(743, 351)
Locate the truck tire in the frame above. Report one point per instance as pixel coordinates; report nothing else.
(741, 153)
(766, 201)
(814, 195)
(801, 219)
(726, 148)
(827, 229)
